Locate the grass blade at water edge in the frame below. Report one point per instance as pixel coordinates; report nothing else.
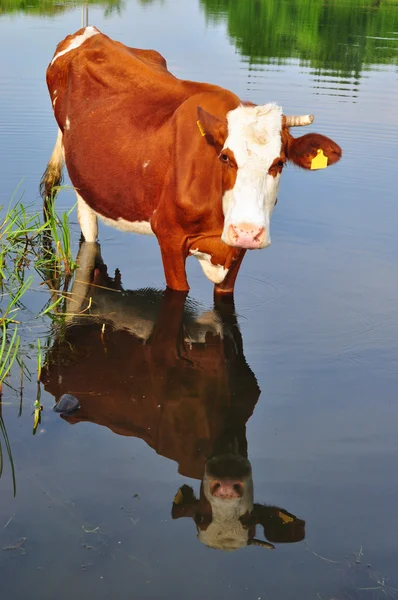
(9, 354)
(8, 448)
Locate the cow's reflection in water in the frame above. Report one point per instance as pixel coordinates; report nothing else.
(147, 364)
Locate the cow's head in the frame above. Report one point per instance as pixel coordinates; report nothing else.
(225, 514)
(253, 145)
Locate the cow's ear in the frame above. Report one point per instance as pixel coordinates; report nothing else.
(279, 525)
(184, 503)
(212, 128)
(312, 151)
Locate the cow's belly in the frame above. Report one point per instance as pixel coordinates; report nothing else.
(142, 227)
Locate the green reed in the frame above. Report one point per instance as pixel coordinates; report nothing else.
(27, 244)
(57, 257)
(4, 435)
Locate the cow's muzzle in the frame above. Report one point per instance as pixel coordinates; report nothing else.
(226, 489)
(246, 235)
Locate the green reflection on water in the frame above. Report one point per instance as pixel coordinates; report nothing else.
(339, 35)
(53, 7)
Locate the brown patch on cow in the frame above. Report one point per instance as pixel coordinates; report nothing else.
(152, 58)
(277, 166)
(229, 169)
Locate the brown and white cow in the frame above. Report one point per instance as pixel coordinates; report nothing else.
(163, 372)
(187, 162)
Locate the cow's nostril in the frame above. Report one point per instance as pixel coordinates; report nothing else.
(238, 488)
(258, 237)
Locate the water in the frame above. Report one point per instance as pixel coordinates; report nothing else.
(305, 381)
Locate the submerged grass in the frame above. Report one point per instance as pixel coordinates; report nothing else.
(27, 244)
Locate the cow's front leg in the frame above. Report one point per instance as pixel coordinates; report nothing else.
(174, 266)
(228, 285)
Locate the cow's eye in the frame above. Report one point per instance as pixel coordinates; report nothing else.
(224, 158)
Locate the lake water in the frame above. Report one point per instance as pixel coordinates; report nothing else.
(303, 380)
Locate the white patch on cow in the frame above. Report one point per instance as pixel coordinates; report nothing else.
(254, 136)
(142, 227)
(54, 101)
(77, 41)
(145, 164)
(67, 123)
(87, 220)
(216, 273)
(225, 531)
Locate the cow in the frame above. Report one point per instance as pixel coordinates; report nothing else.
(187, 162)
(149, 364)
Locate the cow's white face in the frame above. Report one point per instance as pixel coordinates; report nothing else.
(230, 498)
(254, 147)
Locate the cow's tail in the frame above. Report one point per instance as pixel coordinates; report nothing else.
(52, 176)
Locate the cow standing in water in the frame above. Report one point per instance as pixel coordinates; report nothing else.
(177, 379)
(187, 162)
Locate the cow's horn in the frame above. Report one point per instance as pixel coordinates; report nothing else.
(255, 542)
(297, 120)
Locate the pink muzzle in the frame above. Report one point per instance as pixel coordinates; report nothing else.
(227, 489)
(245, 235)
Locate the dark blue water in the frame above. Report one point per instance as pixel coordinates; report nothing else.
(303, 380)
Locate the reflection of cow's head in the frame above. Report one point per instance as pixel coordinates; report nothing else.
(225, 514)
(177, 379)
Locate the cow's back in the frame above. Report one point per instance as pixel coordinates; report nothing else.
(80, 79)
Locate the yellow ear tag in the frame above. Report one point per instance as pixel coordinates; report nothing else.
(320, 161)
(200, 127)
(178, 498)
(286, 518)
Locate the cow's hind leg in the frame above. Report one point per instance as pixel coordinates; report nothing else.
(87, 220)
